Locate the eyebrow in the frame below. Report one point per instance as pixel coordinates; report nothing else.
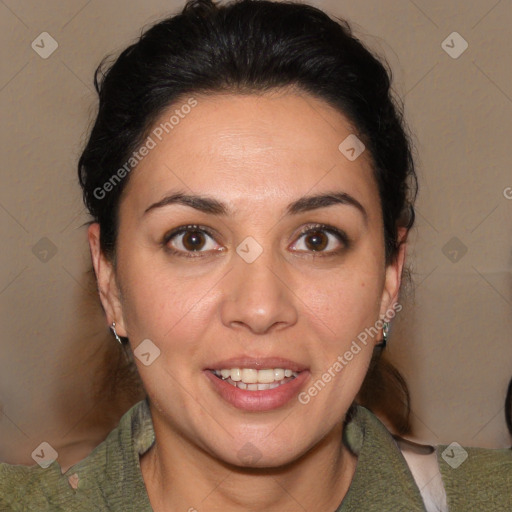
(213, 206)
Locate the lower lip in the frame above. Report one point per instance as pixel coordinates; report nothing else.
(265, 400)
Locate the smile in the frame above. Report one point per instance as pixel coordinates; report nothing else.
(241, 384)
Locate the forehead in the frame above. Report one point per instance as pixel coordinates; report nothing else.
(250, 150)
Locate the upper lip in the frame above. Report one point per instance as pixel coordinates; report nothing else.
(259, 363)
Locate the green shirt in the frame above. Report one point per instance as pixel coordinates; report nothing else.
(110, 479)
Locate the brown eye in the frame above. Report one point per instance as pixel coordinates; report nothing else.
(193, 240)
(186, 240)
(316, 241)
(323, 239)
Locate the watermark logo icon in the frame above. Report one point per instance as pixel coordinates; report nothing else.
(454, 250)
(44, 455)
(454, 45)
(249, 250)
(454, 455)
(249, 454)
(44, 250)
(146, 352)
(44, 45)
(351, 147)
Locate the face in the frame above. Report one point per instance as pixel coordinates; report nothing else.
(257, 312)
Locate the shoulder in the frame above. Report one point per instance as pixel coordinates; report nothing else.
(378, 454)
(452, 477)
(91, 484)
(456, 478)
(30, 487)
(476, 477)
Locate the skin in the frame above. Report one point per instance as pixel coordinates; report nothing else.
(257, 154)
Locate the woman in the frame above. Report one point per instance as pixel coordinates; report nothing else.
(251, 184)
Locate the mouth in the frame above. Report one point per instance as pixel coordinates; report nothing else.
(257, 385)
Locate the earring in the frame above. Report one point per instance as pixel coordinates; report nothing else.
(113, 327)
(385, 332)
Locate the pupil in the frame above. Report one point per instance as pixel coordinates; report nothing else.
(318, 243)
(192, 240)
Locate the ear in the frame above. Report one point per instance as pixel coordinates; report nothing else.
(393, 278)
(106, 280)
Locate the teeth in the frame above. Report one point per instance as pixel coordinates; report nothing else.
(278, 374)
(265, 376)
(251, 376)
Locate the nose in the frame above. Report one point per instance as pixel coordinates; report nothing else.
(258, 296)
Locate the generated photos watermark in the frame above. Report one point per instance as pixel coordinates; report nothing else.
(342, 360)
(157, 135)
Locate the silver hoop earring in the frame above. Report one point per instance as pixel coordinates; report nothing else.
(113, 327)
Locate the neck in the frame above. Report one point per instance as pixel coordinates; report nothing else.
(179, 476)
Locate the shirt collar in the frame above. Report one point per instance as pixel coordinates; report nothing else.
(382, 480)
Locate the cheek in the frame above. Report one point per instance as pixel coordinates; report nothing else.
(342, 320)
(342, 316)
(159, 303)
(346, 305)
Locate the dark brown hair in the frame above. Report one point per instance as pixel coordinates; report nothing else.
(245, 46)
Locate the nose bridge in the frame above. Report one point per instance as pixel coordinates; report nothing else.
(256, 295)
(257, 267)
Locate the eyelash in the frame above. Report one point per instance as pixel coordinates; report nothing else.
(310, 228)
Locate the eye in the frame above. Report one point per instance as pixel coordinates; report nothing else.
(189, 239)
(184, 241)
(323, 239)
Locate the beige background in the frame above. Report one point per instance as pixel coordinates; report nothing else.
(453, 340)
